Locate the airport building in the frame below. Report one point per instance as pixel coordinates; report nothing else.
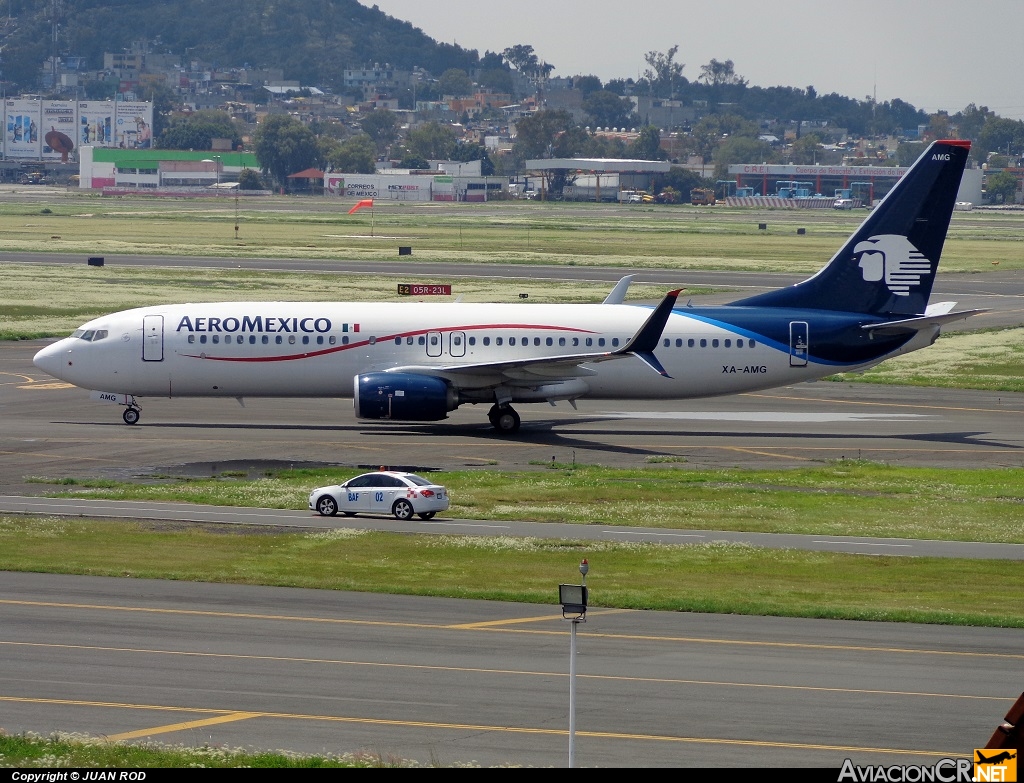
(147, 170)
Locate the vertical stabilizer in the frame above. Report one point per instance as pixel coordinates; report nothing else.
(888, 265)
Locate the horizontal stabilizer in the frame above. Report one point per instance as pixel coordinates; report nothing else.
(618, 294)
(939, 308)
(906, 325)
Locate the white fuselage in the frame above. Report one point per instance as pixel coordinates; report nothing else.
(314, 349)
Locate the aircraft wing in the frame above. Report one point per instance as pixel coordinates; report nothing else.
(905, 325)
(565, 366)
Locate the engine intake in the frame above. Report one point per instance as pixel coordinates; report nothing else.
(403, 397)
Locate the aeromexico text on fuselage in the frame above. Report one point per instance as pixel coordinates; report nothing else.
(257, 324)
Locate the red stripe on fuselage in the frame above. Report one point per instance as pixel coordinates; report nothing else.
(383, 338)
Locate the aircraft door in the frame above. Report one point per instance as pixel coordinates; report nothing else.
(457, 343)
(798, 342)
(434, 344)
(153, 338)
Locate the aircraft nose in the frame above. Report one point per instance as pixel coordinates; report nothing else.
(53, 359)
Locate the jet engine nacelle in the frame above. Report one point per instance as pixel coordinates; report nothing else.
(403, 396)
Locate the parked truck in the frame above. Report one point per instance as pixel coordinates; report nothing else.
(701, 197)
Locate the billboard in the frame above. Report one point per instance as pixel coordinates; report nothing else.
(96, 123)
(58, 125)
(133, 125)
(21, 128)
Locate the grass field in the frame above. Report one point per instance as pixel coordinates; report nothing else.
(844, 498)
(840, 498)
(78, 751)
(516, 232)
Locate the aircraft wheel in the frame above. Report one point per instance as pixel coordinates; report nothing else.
(402, 509)
(427, 515)
(327, 506)
(131, 415)
(506, 420)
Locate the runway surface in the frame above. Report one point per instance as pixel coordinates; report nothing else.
(54, 430)
(447, 682)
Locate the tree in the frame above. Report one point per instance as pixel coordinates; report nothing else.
(648, 145)
(165, 100)
(410, 161)
(587, 84)
(431, 141)
(521, 57)
(664, 75)
(1001, 187)
(455, 82)
(524, 59)
(939, 126)
(382, 126)
(497, 80)
(739, 149)
(283, 146)
(197, 131)
(909, 151)
(604, 147)
(714, 128)
(806, 150)
(971, 121)
(357, 155)
(683, 181)
(548, 133)
(606, 109)
(249, 179)
(716, 73)
(1002, 135)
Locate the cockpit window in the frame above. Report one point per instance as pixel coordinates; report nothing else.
(90, 335)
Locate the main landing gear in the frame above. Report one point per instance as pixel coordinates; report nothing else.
(503, 418)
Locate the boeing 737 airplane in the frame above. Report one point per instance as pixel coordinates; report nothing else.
(419, 361)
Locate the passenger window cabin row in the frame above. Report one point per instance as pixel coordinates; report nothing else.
(265, 339)
(434, 340)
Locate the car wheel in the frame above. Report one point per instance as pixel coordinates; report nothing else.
(427, 515)
(327, 506)
(402, 509)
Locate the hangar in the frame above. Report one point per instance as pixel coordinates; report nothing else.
(598, 179)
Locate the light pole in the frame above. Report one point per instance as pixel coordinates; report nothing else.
(574, 609)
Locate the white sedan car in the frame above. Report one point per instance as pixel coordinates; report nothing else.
(383, 492)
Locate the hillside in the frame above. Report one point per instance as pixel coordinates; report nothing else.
(312, 40)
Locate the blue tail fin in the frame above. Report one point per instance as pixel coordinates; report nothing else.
(888, 266)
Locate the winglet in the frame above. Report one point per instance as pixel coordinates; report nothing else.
(643, 343)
